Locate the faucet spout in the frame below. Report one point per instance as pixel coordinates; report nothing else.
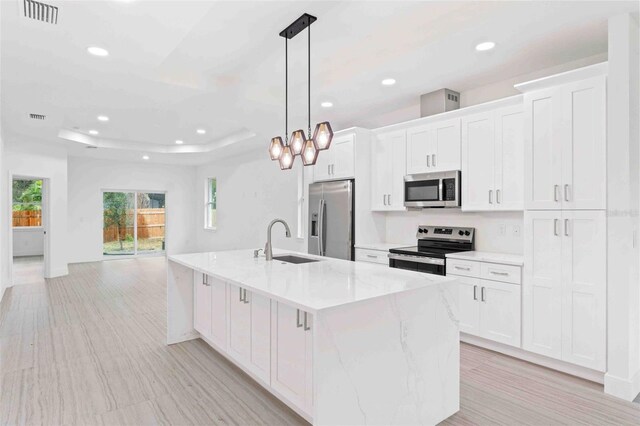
(268, 251)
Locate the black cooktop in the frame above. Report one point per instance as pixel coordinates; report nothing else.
(423, 251)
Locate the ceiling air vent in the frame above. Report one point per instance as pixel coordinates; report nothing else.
(40, 11)
(37, 116)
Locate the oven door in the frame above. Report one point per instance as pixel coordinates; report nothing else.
(428, 265)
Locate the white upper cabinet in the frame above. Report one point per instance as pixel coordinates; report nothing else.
(388, 168)
(338, 162)
(565, 146)
(492, 160)
(434, 147)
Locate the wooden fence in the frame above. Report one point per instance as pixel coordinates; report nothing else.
(27, 218)
(150, 226)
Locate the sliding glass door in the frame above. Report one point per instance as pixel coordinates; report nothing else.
(133, 223)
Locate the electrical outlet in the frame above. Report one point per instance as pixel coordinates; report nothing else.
(502, 230)
(516, 230)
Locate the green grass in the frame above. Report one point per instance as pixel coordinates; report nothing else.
(145, 245)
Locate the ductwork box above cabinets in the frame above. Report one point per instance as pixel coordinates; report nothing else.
(437, 102)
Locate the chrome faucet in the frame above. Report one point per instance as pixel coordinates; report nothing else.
(268, 252)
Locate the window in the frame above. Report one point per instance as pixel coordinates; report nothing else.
(211, 204)
(27, 203)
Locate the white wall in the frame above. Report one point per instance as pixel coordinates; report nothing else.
(88, 177)
(4, 220)
(252, 190)
(47, 161)
(28, 241)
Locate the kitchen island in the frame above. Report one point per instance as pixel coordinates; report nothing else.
(339, 342)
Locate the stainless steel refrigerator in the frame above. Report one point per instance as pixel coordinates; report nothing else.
(331, 219)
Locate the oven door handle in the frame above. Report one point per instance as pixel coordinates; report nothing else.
(417, 259)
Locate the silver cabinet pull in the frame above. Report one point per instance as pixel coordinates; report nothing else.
(205, 280)
(245, 296)
(389, 199)
(372, 256)
(555, 227)
(475, 292)
(333, 169)
(240, 294)
(306, 327)
(482, 296)
(566, 192)
(504, 274)
(491, 196)
(566, 227)
(298, 324)
(498, 196)
(384, 199)
(461, 268)
(428, 158)
(555, 192)
(328, 169)
(433, 160)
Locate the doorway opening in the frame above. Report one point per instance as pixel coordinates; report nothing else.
(134, 223)
(28, 230)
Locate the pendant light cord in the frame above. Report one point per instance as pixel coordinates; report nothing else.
(309, 78)
(286, 91)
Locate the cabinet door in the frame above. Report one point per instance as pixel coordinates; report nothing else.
(343, 164)
(509, 158)
(542, 287)
(398, 171)
(543, 153)
(260, 354)
(584, 171)
(500, 312)
(382, 170)
(202, 305)
(322, 168)
(291, 348)
(419, 150)
(584, 271)
(469, 308)
(478, 162)
(218, 312)
(239, 331)
(446, 145)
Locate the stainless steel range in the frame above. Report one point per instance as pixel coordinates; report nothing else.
(434, 242)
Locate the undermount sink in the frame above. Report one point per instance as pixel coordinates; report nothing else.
(294, 259)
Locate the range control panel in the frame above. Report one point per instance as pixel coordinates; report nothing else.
(445, 233)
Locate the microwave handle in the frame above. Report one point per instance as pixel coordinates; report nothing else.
(441, 190)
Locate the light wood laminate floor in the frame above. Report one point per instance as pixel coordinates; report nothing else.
(90, 348)
(28, 270)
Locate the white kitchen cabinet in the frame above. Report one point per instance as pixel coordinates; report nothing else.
(249, 330)
(337, 162)
(493, 160)
(380, 257)
(388, 168)
(488, 308)
(564, 300)
(291, 355)
(201, 304)
(565, 146)
(434, 147)
(210, 313)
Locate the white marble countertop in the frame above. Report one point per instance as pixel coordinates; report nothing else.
(485, 256)
(382, 246)
(310, 286)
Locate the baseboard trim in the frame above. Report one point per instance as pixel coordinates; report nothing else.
(59, 272)
(627, 389)
(554, 364)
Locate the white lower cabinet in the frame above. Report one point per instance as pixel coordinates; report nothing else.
(249, 330)
(564, 302)
(201, 304)
(372, 256)
(291, 355)
(210, 308)
(487, 308)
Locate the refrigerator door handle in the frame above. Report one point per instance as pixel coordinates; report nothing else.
(321, 227)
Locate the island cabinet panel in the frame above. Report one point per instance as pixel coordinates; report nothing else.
(202, 304)
(218, 311)
(291, 356)
(249, 330)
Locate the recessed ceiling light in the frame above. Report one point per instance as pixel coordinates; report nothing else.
(93, 132)
(179, 142)
(486, 45)
(201, 131)
(388, 81)
(103, 118)
(326, 104)
(145, 157)
(97, 51)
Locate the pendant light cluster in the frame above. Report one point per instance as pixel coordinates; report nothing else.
(307, 147)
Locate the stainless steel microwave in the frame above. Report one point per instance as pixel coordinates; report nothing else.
(432, 190)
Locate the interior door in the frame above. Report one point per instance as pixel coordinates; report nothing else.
(584, 160)
(478, 162)
(337, 223)
(509, 158)
(419, 150)
(500, 312)
(202, 305)
(446, 145)
(542, 287)
(543, 142)
(584, 260)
